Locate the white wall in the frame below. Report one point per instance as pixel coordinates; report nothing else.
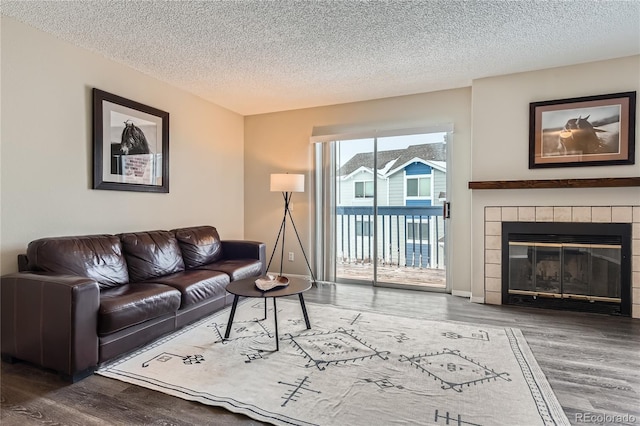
(46, 149)
(279, 142)
(500, 109)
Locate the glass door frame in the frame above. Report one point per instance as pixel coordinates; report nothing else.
(325, 202)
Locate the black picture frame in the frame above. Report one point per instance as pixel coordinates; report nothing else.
(130, 145)
(586, 131)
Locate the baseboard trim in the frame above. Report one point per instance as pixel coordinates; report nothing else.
(461, 293)
(476, 299)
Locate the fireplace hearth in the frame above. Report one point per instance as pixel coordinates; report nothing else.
(577, 266)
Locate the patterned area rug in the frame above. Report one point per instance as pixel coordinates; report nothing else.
(351, 368)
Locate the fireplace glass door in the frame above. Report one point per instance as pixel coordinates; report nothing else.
(565, 270)
(592, 270)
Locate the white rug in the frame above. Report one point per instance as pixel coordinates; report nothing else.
(351, 368)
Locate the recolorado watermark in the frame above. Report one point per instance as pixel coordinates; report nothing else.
(605, 418)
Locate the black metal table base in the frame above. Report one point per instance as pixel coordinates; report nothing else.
(275, 316)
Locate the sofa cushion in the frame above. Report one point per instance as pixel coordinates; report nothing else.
(196, 285)
(98, 257)
(151, 254)
(199, 244)
(236, 269)
(133, 304)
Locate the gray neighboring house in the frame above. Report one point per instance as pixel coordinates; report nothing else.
(414, 177)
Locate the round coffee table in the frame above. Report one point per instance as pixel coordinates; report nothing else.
(247, 288)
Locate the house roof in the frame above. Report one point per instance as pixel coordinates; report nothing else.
(397, 166)
(434, 152)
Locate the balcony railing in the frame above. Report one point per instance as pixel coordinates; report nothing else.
(407, 236)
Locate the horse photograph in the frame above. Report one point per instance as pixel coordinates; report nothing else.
(589, 131)
(583, 131)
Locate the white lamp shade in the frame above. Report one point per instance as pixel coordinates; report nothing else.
(284, 182)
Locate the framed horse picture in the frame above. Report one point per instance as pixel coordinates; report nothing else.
(587, 131)
(130, 145)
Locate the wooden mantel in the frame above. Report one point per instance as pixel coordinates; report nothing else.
(556, 183)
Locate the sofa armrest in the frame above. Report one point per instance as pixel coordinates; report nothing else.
(23, 263)
(51, 320)
(244, 249)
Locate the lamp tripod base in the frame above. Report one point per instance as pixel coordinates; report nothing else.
(281, 235)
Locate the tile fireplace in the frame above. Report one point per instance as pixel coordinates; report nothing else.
(570, 257)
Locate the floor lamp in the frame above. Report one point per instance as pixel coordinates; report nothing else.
(287, 184)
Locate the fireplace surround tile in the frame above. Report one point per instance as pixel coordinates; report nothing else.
(493, 270)
(601, 214)
(493, 298)
(510, 214)
(544, 214)
(495, 215)
(492, 256)
(621, 214)
(526, 214)
(581, 214)
(493, 242)
(562, 214)
(494, 284)
(493, 228)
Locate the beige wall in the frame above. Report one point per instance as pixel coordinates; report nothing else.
(279, 142)
(46, 151)
(221, 162)
(495, 147)
(501, 143)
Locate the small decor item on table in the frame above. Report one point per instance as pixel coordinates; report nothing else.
(271, 281)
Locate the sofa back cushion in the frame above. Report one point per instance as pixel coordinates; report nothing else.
(151, 254)
(199, 244)
(98, 257)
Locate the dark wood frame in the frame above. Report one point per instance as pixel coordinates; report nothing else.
(626, 101)
(100, 163)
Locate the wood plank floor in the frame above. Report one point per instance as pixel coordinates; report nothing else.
(592, 362)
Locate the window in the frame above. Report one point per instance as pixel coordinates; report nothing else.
(417, 231)
(364, 189)
(419, 187)
(364, 228)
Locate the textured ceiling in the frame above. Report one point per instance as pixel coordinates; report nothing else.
(262, 56)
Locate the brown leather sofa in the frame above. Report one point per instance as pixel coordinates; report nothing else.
(80, 301)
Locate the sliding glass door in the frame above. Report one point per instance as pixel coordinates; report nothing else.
(355, 189)
(383, 205)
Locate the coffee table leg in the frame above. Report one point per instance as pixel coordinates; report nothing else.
(304, 311)
(265, 308)
(275, 317)
(233, 312)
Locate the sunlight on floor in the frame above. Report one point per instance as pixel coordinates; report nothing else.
(423, 277)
